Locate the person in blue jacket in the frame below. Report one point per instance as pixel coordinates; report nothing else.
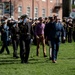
(53, 33)
(4, 29)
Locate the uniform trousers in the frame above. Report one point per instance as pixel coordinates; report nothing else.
(15, 43)
(24, 49)
(5, 45)
(50, 50)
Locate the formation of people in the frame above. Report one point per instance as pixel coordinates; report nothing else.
(49, 31)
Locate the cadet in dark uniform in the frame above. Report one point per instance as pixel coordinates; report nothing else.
(4, 37)
(65, 28)
(74, 29)
(70, 31)
(15, 39)
(25, 38)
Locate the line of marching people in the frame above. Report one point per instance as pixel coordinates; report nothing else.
(69, 26)
(19, 33)
(48, 30)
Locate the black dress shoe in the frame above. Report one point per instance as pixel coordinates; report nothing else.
(50, 58)
(22, 61)
(15, 56)
(1, 52)
(8, 52)
(45, 55)
(26, 62)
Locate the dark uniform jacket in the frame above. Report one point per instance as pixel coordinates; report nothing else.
(4, 33)
(15, 32)
(25, 30)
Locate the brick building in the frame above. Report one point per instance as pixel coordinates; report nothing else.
(33, 8)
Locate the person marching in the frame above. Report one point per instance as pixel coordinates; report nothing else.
(46, 33)
(4, 37)
(39, 32)
(25, 38)
(74, 29)
(70, 31)
(55, 29)
(15, 39)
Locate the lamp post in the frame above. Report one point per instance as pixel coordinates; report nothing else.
(32, 9)
(71, 5)
(10, 8)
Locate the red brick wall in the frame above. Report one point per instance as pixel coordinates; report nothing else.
(37, 3)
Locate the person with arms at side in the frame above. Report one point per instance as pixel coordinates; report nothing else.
(39, 32)
(47, 34)
(54, 35)
(25, 38)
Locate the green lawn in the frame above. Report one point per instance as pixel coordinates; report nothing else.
(40, 65)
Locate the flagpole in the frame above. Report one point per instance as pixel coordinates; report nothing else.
(10, 8)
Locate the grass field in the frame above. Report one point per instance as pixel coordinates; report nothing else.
(39, 65)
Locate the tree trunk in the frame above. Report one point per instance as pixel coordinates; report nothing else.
(66, 8)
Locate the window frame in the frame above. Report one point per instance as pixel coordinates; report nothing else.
(28, 11)
(44, 13)
(36, 12)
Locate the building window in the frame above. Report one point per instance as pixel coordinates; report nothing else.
(51, 12)
(44, 0)
(51, 0)
(28, 11)
(43, 13)
(1, 9)
(57, 1)
(36, 12)
(57, 12)
(6, 8)
(19, 10)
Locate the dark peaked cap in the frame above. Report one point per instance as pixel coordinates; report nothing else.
(24, 16)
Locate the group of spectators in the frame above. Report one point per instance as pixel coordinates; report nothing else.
(49, 31)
